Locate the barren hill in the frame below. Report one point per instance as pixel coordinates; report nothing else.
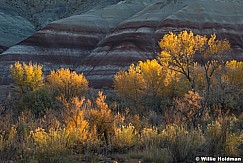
(22, 18)
(106, 39)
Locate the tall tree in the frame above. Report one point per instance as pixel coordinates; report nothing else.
(180, 50)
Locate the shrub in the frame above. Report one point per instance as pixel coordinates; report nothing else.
(37, 101)
(182, 144)
(129, 86)
(8, 144)
(33, 92)
(216, 136)
(49, 145)
(233, 143)
(190, 109)
(220, 139)
(146, 85)
(150, 138)
(76, 125)
(125, 137)
(101, 119)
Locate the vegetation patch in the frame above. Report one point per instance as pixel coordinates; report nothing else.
(183, 104)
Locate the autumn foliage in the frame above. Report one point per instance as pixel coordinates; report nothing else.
(187, 102)
(29, 77)
(180, 50)
(67, 84)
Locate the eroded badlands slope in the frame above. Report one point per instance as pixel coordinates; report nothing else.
(102, 41)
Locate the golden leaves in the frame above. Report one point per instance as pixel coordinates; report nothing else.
(184, 44)
(68, 84)
(145, 77)
(179, 51)
(28, 76)
(234, 72)
(215, 47)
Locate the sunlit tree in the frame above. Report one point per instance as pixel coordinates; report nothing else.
(212, 57)
(29, 77)
(180, 50)
(33, 95)
(129, 85)
(152, 76)
(68, 84)
(147, 84)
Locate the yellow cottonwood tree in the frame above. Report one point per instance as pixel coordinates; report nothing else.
(180, 50)
(212, 57)
(29, 77)
(129, 84)
(68, 84)
(153, 76)
(146, 84)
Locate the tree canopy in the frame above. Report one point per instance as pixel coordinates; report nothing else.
(179, 51)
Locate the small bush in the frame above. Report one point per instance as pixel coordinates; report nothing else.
(150, 138)
(101, 119)
(37, 102)
(220, 139)
(215, 138)
(182, 144)
(8, 145)
(125, 137)
(51, 144)
(190, 109)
